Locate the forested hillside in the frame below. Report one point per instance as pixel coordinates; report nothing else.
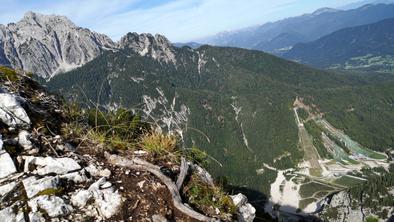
(241, 100)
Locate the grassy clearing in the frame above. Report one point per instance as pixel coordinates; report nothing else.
(348, 181)
(310, 153)
(347, 143)
(305, 202)
(312, 188)
(316, 132)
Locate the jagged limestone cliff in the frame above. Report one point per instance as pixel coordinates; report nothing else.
(49, 44)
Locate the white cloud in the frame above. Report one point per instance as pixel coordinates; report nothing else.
(179, 20)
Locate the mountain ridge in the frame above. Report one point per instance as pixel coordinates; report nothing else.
(304, 28)
(58, 45)
(346, 48)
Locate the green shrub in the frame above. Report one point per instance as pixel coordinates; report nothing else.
(8, 74)
(203, 197)
(198, 156)
(158, 143)
(371, 219)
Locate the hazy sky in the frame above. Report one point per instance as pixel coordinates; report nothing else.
(179, 20)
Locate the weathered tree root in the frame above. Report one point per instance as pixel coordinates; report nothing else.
(138, 164)
(183, 173)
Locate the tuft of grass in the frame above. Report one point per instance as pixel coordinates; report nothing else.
(119, 129)
(96, 136)
(206, 198)
(197, 155)
(371, 219)
(8, 74)
(51, 192)
(158, 143)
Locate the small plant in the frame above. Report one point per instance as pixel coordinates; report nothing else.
(73, 130)
(158, 143)
(51, 192)
(207, 198)
(371, 219)
(8, 74)
(196, 155)
(74, 112)
(119, 129)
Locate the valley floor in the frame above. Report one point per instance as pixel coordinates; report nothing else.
(303, 190)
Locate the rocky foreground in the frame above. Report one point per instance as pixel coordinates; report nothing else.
(47, 176)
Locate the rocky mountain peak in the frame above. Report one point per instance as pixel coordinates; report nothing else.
(41, 19)
(49, 44)
(157, 47)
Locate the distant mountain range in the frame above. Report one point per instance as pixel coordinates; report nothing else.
(367, 47)
(278, 37)
(365, 2)
(193, 45)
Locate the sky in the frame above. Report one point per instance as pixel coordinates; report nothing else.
(179, 20)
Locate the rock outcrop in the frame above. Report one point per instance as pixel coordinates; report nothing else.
(246, 212)
(157, 47)
(44, 177)
(343, 206)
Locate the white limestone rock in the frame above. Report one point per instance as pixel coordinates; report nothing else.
(46, 165)
(6, 188)
(246, 212)
(158, 218)
(80, 198)
(12, 113)
(8, 215)
(94, 171)
(1, 142)
(54, 206)
(239, 199)
(106, 200)
(24, 140)
(36, 217)
(33, 185)
(66, 147)
(76, 177)
(203, 174)
(7, 166)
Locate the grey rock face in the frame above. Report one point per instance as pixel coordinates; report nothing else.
(11, 112)
(7, 166)
(49, 44)
(157, 47)
(246, 212)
